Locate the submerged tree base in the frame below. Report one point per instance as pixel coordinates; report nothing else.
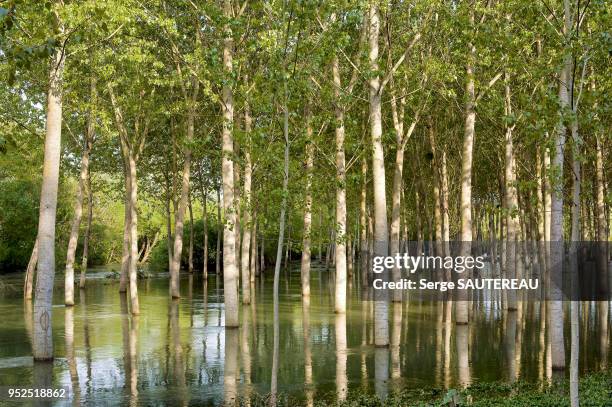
(595, 390)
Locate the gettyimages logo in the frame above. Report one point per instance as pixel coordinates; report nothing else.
(577, 271)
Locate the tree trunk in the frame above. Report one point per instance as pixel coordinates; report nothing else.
(219, 233)
(363, 224)
(230, 269)
(253, 255)
(205, 221)
(340, 253)
(556, 220)
(42, 345)
(381, 313)
(247, 225)
(466, 178)
(175, 266)
(84, 259)
(169, 238)
(573, 256)
(133, 271)
(190, 262)
(78, 205)
(29, 277)
(511, 203)
(306, 239)
(125, 255)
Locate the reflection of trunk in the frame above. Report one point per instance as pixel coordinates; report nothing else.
(510, 344)
(463, 358)
(247, 225)
(307, 351)
(448, 325)
(42, 348)
(87, 234)
(231, 372)
(340, 227)
(381, 372)
(245, 352)
(78, 209)
(177, 348)
(230, 269)
(396, 338)
(70, 357)
(29, 277)
(133, 343)
(341, 356)
(381, 317)
(306, 252)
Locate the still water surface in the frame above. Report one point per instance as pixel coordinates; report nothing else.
(178, 352)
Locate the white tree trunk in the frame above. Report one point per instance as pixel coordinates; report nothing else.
(306, 239)
(340, 253)
(247, 225)
(381, 244)
(76, 224)
(42, 345)
(230, 269)
(29, 277)
(87, 234)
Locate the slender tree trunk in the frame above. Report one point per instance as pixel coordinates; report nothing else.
(87, 234)
(230, 269)
(340, 253)
(169, 238)
(556, 221)
(133, 271)
(247, 224)
(42, 345)
(602, 235)
(29, 277)
(511, 203)
(125, 256)
(219, 233)
(381, 313)
(573, 256)
(306, 239)
(78, 205)
(175, 266)
(205, 221)
(363, 224)
(253, 255)
(190, 260)
(466, 177)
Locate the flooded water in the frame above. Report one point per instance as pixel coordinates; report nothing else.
(178, 352)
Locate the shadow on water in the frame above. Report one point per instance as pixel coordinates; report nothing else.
(177, 352)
